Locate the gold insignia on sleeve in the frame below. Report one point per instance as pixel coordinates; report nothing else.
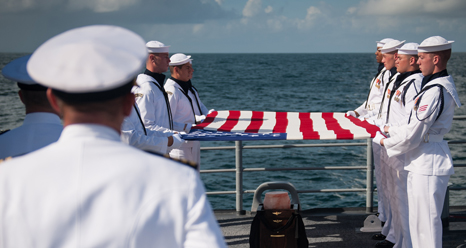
(138, 95)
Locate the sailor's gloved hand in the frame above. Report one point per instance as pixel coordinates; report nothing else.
(200, 118)
(378, 137)
(177, 141)
(351, 113)
(210, 111)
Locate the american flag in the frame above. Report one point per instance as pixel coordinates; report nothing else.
(257, 125)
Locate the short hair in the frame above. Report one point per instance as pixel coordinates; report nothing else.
(172, 67)
(444, 55)
(35, 98)
(110, 107)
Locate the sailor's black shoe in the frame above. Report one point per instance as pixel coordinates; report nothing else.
(384, 244)
(378, 236)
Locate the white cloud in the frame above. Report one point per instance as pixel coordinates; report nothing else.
(268, 10)
(252, 8)
(312, 14)
(220, 2)
(198, 28)
(101, 6)
(412, 7)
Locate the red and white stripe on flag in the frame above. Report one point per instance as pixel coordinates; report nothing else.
(296, 125)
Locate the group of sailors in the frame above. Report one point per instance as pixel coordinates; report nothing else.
(88, 189)
(412, 100)
(77, 184)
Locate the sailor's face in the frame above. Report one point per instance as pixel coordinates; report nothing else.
(402, 63)
(378, 55)
(161, 61)
(389, 60)
(426, 63)
(186, 72)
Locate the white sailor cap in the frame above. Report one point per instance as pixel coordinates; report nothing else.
(434, 44)
(180, 59)
(156, 47)
(88, 64)
(408, 49)
(382, 42)
(16, 71)
(391, 46)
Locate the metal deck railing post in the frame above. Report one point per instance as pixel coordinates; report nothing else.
(239, 177)
(369, 178)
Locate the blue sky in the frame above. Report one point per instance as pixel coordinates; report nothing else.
(240, 26)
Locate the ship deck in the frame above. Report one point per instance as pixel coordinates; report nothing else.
(336, 227)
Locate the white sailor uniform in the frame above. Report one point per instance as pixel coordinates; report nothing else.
(135, 134)
(427, 158)
(378, 89)
(375, 94)
(383, 172)
(182, 109)
(90, 190)
(151, 101)
(38, 130)
(399, 107)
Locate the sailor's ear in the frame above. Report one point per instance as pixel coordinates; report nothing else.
(53, 100)
(412, 60)
(436, 59)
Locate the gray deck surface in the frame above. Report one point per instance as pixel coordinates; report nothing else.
(334, 228)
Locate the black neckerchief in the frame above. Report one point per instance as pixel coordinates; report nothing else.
(399, 79)
(402, 77)
(381, 66)
(429, 78)
(160, 79)
(392, 73)
(157, 76)
(187, 86)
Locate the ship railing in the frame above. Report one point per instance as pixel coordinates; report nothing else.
(369, 167)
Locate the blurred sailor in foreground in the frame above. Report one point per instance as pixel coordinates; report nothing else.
(185, 104)
(88, 189)
(41, 125)
(427, 155)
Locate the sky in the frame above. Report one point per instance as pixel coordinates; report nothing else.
(241, 26)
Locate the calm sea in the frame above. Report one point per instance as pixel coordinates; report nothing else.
(284, 82)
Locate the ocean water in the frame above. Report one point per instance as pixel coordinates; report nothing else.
(284, 82)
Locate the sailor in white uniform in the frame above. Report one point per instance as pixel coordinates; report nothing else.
(134, 133)
(151, 97)
(41, 125)
(89, 189)
(406, 86)
(374, 96)
(372, 104)
(427, 156)
(185, 104)
(389, 52)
